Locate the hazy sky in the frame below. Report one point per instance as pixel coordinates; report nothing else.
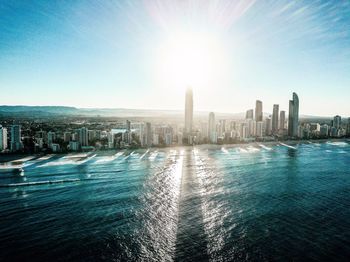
(142, 54)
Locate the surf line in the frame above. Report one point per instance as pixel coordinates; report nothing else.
(46, 182)
(289, 146)
(144, 154)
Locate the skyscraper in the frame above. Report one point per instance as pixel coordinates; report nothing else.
(282, 119)
(148, 134)
(324, 130)
(128, 125)
(222, 126)
(249, 114)
(3, 138)
(259, 128)
(251, 124)
(188, 111)
(67, 136)
(337, 122)
(268, 126)
(51, 137)
(211, 128)
(258, 111)
(83, 136)
(275, 119)
(293, 117)
(16, 143)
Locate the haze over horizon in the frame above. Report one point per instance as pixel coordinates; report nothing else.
(143, 54)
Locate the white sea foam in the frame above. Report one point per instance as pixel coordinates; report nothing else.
(153, 156)
(252, 149)
(224, 150)
(341, 144)
(24, 159)
(144, 154)
(242, 150)
(125, 158)
(72, 156)
(265, 147)
(289, 146)
(86, 159)
(72, 159)
(40, 182)
(109, 158)
(59, 162)
(46, 157)
(10, 167)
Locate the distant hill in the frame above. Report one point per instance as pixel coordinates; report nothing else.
(36, 110)
(47, 111)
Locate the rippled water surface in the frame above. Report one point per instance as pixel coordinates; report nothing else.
(205, 203)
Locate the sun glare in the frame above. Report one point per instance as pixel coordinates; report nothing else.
(190, 59)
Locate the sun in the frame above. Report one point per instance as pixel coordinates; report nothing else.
(190, 59)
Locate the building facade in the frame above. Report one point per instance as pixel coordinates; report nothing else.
(258, 111)
(249, 114)
(3, 138)
(188, 112)
(293, 117)
(212, 128)
(16, 143)
(275, 122)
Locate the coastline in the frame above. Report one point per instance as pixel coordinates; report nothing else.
(8, 157)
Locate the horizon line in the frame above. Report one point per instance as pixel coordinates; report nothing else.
(158, 109)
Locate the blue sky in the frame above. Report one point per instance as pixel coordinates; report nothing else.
(106, 54)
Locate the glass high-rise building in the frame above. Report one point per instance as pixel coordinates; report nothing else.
(189, 111)
(212, 128)
(337, 122)
(282, 119)
(258, 111)
(249, 114)
(3, 138)
(275, 118)
(268, 126)
(16, 143)
(148, 134)
(293, 117)
(83, 136)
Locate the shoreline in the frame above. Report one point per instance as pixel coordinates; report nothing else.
(13, 156)
(291, 142)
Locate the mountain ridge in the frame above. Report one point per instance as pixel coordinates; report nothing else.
(116, 112)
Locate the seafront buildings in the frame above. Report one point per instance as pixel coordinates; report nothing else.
(16, 143)
(212, 128)
(293, 118)
(258, 111)
(249, 114)
(90, 135)
(282, 121)
(188, 115)
(275, 119)
(3, 138)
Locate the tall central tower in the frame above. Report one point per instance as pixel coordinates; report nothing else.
(189, 111)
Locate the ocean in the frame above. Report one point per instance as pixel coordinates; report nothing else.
(253, 202)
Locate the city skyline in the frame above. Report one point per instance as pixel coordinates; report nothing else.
(174, 130)
(147, 133)
(52, 53)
